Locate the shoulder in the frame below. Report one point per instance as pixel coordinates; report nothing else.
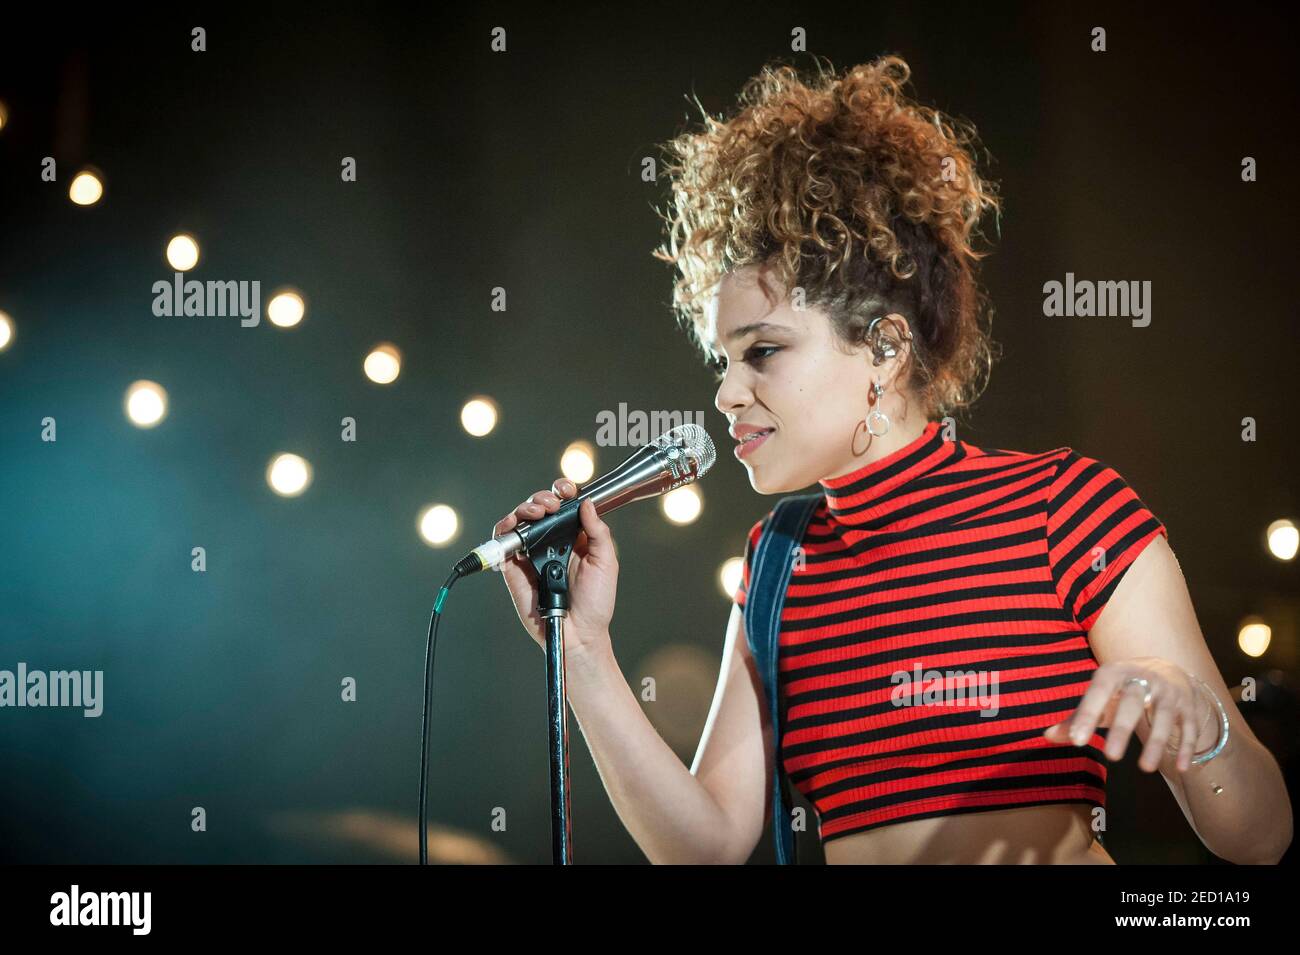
(1097, 526)
(1080, 479)
(1032, 474)
(756, 529)
(1066, 467)
(791, 500)
(1064, 478)
(983, 459)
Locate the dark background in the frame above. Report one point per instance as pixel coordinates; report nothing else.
(522, 170)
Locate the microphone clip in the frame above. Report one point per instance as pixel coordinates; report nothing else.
(550, 558)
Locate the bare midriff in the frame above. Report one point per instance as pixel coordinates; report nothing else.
(1033, 835)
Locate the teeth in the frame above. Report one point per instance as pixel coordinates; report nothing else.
(755, 434)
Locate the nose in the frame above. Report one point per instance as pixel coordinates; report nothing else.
(733, 394)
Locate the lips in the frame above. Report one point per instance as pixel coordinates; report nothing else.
(749, 439)
(740, 431)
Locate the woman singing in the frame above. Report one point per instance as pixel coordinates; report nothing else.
(966, 636)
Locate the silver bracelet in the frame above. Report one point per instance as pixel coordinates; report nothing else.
(1223, 725)
(1223, 721)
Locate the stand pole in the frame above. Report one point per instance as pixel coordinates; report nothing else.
(557, 712)
(550, 558)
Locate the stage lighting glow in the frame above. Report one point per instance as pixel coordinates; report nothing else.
(730, 575)
(146, 403)
(438, 524)
(479, 416)
(183, 252)
(1283, 537)
(4, 115)
(286, 309)
(683, 505)
(6, 331)
(288, 474)
(383, 364)
(1254, 636)
(86, 189)
(684, 678)
(578, 462)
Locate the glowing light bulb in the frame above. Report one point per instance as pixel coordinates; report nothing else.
(479, 416)
(85, 189)
(145, 403)
(578, 462)
(730, 576)
(288, 475)
(383, 364)
(683, 505)
(286, 309)
(183, 252)
(1283, 539)
(438, 524)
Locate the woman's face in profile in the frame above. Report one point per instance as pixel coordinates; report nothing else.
(781, 368)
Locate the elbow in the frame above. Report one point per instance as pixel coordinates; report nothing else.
(722, 846)
(739, 844)
(1272, 853)
(1268, 856)
(731, 849)
(734, 856)
(732, 831)
(1265, 848)
(715, 854)
(1278, 840)
(1264, 844)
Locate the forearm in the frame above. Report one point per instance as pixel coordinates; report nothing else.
(1252, 827)
(665, 808)
(1249, 821)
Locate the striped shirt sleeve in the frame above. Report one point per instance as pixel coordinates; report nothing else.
(751, 545)
(1096, 528)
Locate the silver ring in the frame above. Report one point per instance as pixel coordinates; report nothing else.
(1145, 684)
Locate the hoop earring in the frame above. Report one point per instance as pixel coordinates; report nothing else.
(873, 417)
(876, 415)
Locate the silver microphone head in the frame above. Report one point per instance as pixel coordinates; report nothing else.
(697, 444)
(680, 456)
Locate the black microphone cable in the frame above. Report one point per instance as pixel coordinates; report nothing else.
(429, 650)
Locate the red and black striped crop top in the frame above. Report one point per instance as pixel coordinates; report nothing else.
(936, 623)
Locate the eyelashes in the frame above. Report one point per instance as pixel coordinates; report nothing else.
(719, 365)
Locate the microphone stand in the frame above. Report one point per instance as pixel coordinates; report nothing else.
(679, 457)
(550, 558)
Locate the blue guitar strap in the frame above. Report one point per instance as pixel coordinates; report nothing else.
(773, 562)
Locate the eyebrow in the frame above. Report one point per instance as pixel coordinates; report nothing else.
(752, 327)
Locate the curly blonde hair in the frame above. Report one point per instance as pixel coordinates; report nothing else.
(853, 192)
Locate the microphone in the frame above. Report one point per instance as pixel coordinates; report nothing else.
(675, 458)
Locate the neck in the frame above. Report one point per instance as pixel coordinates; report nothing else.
(870, 496)
(900, 434)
